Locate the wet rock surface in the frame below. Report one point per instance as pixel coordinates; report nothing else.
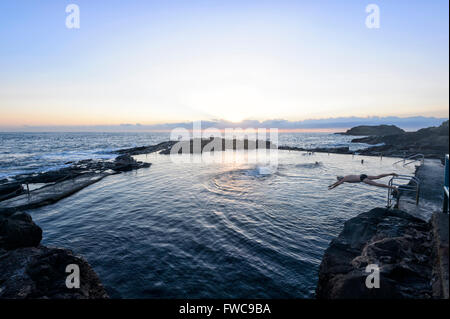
(124, 163)
(164, 146)
(18, 230)
(336, 150)
(28, 269)
(8, 190)
(121, 163)
(64, 182)
(401, 246)
(197, 146)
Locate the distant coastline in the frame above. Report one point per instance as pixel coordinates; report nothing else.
(338, 124)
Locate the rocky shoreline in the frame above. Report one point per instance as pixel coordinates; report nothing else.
(29, 269)
(400, 243)
(391, 141)
(388, 141)
(58, 184)
(432, 142)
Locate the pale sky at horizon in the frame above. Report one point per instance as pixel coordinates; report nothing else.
(168, 61)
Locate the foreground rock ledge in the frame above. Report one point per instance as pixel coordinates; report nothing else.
(30, 270)
(64, 182)
(400, 244)
(39, 272)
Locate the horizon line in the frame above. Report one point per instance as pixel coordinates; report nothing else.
(326, 125)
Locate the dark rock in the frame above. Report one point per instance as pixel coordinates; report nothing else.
(337, 150)
(50, 176)
(441, 260)
(147, 149)
(18, 230)
(40, 272)
(397, 242)
(125, 163)
(433, 142)
(29, 270)
(10, 190)
(376, 130)
(291, 148)
(197, 146)
(84, 169)
(52, 193)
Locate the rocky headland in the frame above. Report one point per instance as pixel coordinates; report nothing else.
(431, 141)
(375, 130)
(391, 141)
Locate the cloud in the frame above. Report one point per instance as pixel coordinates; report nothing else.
(338, 124)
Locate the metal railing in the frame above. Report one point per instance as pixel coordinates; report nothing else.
(446, 185)
(413, 185)
(412, 159)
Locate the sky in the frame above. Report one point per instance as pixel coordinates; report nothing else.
(151, 62)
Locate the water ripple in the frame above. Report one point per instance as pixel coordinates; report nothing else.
(212, 230)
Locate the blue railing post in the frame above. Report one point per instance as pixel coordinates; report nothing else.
(446, 184)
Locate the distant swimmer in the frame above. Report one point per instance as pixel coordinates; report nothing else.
(367, 179)
(309, 165)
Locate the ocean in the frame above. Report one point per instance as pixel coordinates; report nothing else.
(24, 153)
(195, 229)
